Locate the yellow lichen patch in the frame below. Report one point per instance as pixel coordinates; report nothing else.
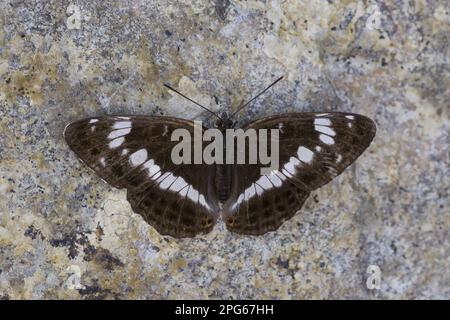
(40, 68)
(28, 84)
(22, 245)
(41, 163)
(30, 283)
(5, 237)
(144, 74)
(178, 265)
(295, 35)
(57, 256)
(144, 60)
(133, 277)
(35, 69)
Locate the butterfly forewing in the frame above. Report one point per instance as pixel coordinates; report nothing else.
(135, 153)
(313, 149)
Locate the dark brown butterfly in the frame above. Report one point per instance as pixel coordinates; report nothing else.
(134, 152)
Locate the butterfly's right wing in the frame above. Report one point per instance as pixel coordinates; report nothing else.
(313, 149)
(135, 153)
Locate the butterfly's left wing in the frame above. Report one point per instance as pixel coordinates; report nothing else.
(134, 152)
(313, 149)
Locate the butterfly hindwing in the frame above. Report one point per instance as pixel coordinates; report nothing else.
(134, 152)
(313, 149)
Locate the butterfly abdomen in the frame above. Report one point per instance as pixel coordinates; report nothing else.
(222, 181)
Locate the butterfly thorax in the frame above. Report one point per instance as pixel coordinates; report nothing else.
(222, 179)
(224, 122)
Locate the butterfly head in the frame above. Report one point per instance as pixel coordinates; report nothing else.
(224, 122)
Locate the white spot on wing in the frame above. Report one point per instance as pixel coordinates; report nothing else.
(167, 182)
(122, 124)
(93, 120)
(162, 177)
(238, 201)
(280, 175)
(118, 133)
(116, 142)
(326, 139)
(305, 155)
(350, 117)
(93, 128)
(294, 160)
(290, 167)
(149, 164)
(183, 192)
(202, 201)
(287, 173)
(152, 169)
(322, 122)
(280, 126)
(102, 161)
(259, 190)
(178, 184)
(124, 152)
(156, 175)
(326, 130)
(339, 158)
(139, 157)
(250, 192)
(265, 183)
(166, 130)
(318, 148)
(193, 194)
(275, 179)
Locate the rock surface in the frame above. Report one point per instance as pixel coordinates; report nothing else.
(66, 234)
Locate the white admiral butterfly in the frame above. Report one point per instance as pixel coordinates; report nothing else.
(183, 200)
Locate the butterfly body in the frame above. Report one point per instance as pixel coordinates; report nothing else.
(223, 181)
(183, 200)
(223, 172)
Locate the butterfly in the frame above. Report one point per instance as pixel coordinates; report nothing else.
(183, 200)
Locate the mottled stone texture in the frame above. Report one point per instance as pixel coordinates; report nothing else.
(66, 234)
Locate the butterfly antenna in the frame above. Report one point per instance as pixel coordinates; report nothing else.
(198, 104)
(242, 106)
